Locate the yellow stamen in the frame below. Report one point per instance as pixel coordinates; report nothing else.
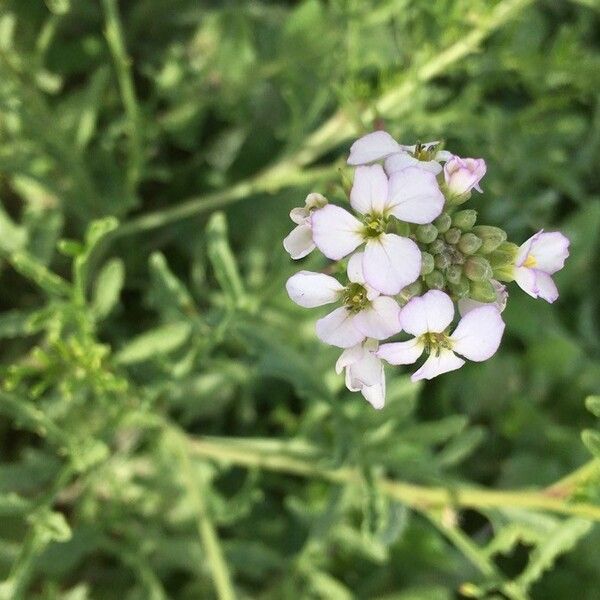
(530, 262)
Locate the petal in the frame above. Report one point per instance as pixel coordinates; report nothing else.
(401, 353)
(415, 196)
(371, 147)
(355, 268)
(299, 242)
(398, 162)
(375, 394)
(366, 371)
(335, 231)
(348, 357)
(545, 286)
(550, 251)
(478, 335)
(380, 320)
(299, 215)
(433, 312)
(313, 289)
(525, 279)
(525, 248)
(370, 190)
(437, 364)
(338, 329)
(391, 263)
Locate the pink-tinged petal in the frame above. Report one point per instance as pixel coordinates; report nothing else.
(415, 196)
(375, 394)
(314, 200)
(369, 191)
(478, 335)
(545, 286)
(391, 263)
(299, 215)
(401, 353)
(299, 242)
(371, 147)
(398, 162)
(348, 357)
(526, 280)
(437, 364)
(550, 250)
(313, 289)
(525, 248)
(335, 231)
(355, 268)
(466, 305)
(380, 320)
(368, 370)
(464, 174)
(338, 329)
(432, 312)
(443, 156)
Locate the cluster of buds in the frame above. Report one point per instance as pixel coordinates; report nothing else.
(413, 258)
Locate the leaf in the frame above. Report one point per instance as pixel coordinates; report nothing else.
(460, 447)
(591, 439)
(158, 341)
(12, 236)
(592, 403)
(169, 293)
(51, 525)
(107, 288)
(561, 540)
(32, 269)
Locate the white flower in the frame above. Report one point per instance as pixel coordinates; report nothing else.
(364, 312)
(476, 337)
(381, 145)
(540, 256)
(464, 174)
(364, 371)
(467, 304)
(299, 242)
(391, 262)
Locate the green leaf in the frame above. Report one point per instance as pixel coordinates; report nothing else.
(51, 525)
(592, 403)
(169, 293)
(107, 288)
(591, 439)
(32, 269)
(463, 445)
(159, 341)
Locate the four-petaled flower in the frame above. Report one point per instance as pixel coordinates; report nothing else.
(390, 262)
(364, 371)
(476, 337)
(364, 312)
(380, 145)
(464, 174)
(540, 256)
(299, 243)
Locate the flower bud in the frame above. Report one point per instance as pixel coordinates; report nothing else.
(491, 237)
(452, 235)
(443, 222)
(477, 268)
(426, 263)
(437, 246)
(504, 255)
(460, 289)
(426, 233)
(482, 291)
(454, 273)
(464, 219)
(435, 280)
(414, 289)
(442, 261)
(463, 174)
(469, 243)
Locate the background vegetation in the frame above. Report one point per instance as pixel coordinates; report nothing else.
(170, 427)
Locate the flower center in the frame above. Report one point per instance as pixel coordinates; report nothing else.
(435, 342)
(530, 262)
(355, 297)
(375, 225)
(425, 152)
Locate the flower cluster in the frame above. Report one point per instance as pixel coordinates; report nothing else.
(413, 253)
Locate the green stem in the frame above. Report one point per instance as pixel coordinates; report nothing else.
(417, 497)
(116, 43)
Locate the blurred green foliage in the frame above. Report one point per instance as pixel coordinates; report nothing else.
(137, 318)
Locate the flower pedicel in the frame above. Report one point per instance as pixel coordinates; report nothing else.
(413, 254)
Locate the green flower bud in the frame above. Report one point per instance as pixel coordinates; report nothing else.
(442, 261)
(399, 227)
(426, 263)
(469, 243)
(456, 255)
(453, 235)
(461, 289)
(464, 219)
(437, 246)
(477, 268)
(414, 289)
(492, 237)
(435, 280)
(443, 222)
(482, 291)
(454, 273)
(426, 233)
